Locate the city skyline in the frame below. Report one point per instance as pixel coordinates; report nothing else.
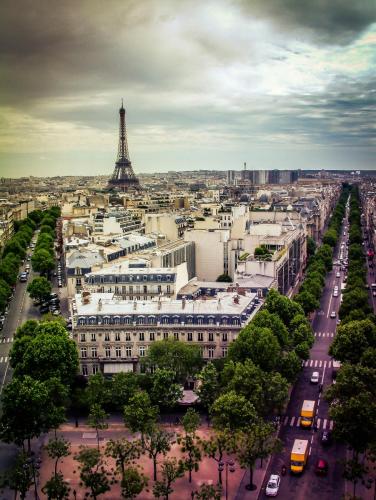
(279, 86)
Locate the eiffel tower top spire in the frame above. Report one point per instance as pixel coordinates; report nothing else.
(123, 177)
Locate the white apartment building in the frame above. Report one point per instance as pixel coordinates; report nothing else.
(113, 335)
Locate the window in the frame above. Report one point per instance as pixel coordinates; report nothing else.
(107, 352)
(224, 337)
(94, 352)
(118, 352)
(211, 352)
(224, 352)
(200, 321)
(224, 321)
(78, 281)
(127, 321)
(168, 289)
(145, 278)
(200, 336)
(117, 337)
(145, 288)
(159, 289)
(130, 289)
(142, 351)
(84, 370)
(78, 271)
(128, 337)
(211, 336)
(152, 336)
(83, 337)
(176, 321)
(128, 351)
(189, 336)
(106, 337)
(83, 352)
(165, 335)
(95, 369)
(117, 320)
(189, 320)
(176, 335)
(93, 337)
(142, 336)
(211, 321)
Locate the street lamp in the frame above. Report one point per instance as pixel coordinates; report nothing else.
(230, 466)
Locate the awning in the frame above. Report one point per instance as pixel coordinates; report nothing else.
(117, 367)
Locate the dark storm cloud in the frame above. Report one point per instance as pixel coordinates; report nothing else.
(330, 21)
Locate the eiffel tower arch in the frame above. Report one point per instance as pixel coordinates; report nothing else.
(123, 177)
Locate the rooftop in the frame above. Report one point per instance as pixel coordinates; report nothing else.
(107, 304)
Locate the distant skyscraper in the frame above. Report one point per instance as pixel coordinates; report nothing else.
(230, 177)
(123, 178)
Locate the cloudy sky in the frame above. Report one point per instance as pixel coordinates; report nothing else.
(206, 84)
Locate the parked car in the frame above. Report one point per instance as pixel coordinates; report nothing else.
(321, 467)
(55, 300)
(54, 295)
(44, 309)
(56, 312)
(273, 485)
(59, 284)
(326, 438)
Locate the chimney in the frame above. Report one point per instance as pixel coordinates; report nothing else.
(159, 304)
(183, 302)
(99, 304)
(134, 304)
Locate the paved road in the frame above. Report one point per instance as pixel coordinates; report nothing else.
(309, 485)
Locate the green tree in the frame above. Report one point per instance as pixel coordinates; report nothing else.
(133, 483)
(209, 387)
(18, 425)
(232, 411)
(42, 261)
(171, 470)
(140, 414)
(92, 471)
(49, 355)
(352, 339)
(9, 270)
(189, 443)
(219, 443)
(98, 390)
(330, 237)
(21, 477)
(258, 344)
(264, 319)
(123, 387)
(40, 289)
(97, 419)
(27, 329)
(183, 359)
(283, 306)
(5, 292)
(289, 365)
(308, 301)
(207, 492)
(56, 488)
(354, 472)
(224, 278)
(311, 246)
(157, 441)
(123, 452)
(58, 449)
(165, 392)
(258, 441)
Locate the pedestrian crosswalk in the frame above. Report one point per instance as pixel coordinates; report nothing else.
(324, 334)
(6, 340)
(322, 423)
(3, 359)
(317, 363)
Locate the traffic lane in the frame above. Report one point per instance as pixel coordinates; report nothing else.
(308, 484)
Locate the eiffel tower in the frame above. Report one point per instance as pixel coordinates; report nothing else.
(123, 178)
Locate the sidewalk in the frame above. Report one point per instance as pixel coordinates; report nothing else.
(207, 473)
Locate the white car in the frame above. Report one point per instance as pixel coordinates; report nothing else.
(273, 485)
(338, 275)
(333, 314)
(315, 378)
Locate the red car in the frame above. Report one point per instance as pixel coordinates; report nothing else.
(321, 467)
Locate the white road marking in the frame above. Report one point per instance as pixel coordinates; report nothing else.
(1, 359)
(315, 363)
(330, 304)
(292, 421)
(324, 423)
(6, 359)
(286, 420)
(331, 425)
(310, 450)
(332, 334)
(320, 364)
(319, 334)
(311, 362)
(318, 423)
(298, 422)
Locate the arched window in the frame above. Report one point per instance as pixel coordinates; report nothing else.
(127, 320)
(81, 320)
(92, 320)
(117, 320)
(106, 320)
